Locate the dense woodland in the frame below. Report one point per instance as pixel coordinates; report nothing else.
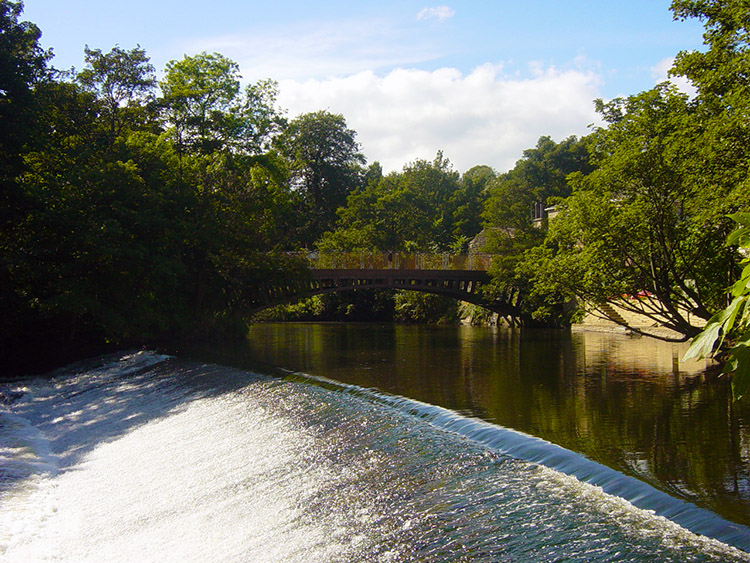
(138, 210)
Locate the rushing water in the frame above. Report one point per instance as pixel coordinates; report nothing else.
(628, 403)
(142, 457)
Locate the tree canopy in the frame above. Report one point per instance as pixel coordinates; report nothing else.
(135, 210)
(139, 215)
(325, 165)
(427, 206)
(641, 209)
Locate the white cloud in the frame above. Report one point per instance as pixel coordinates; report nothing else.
(437, 13)
(484, 117)
(660, 73)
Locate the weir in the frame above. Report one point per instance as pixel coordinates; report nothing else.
(145, 457)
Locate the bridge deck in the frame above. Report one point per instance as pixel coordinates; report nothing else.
(460, 276)
(454, 282)
(397, 261)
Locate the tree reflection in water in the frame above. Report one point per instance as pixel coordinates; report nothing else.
(629, 403)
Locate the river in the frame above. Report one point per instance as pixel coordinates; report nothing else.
(378, 443)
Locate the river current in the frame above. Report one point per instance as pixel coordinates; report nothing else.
(146, 457)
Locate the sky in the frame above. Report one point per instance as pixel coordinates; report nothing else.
(479, 80)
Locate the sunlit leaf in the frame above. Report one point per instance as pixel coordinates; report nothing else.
(743, 284)
(703, 344)
(740, 236)
(712, 336)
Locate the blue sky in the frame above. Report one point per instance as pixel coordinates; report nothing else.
(480, 80)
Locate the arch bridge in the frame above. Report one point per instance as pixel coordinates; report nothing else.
(460, 276)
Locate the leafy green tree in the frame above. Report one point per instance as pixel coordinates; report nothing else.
(325, 165)
(539, 178)
(729, 330)
(651, 221)
(640, 231)
(467, 202)
(409, 210)
(722, 104)
(23, 66)
(122, 80)
(199, 96)
(418, 307)
(236, 190)
(23, 63)
(126, 236)
(76, 245)
(717, 72)
(207, 110)
(426, 207)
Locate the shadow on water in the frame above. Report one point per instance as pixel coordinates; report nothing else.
(96, 401)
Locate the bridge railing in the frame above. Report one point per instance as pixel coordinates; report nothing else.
(397, 261)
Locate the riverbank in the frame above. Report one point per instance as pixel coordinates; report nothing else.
(637, 325)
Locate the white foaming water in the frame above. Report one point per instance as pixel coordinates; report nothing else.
(144, 459)
(112, 508)
(173, 488)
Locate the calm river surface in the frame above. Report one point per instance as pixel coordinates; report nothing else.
(628, 403)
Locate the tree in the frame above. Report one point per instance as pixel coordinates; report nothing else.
(467, 202)
(207, 110)
(325, 165)
(539, 178)
(23, 66)
(221, 134)
(645, 230)
(23, 63)
(720, 75)
(199, 94)
(408, 210)
(417, 209)
(427, 308)
(120, 79)
(720, 72)
(127, 237)
(729, 330)
(640, 231)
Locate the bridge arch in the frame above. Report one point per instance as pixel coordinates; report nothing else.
(460, 277)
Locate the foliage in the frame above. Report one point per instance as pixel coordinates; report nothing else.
(722, 105)
(23, 63)
(206, 110)
(540, 177)
(426, 207)
(418, 307)
(645, 230)
(419, 208)
(350, 306)
(325, 165)
(719, 72)
(123, 80)
(119, 230)
(465, 205)
(732, 325)
(131, 213)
